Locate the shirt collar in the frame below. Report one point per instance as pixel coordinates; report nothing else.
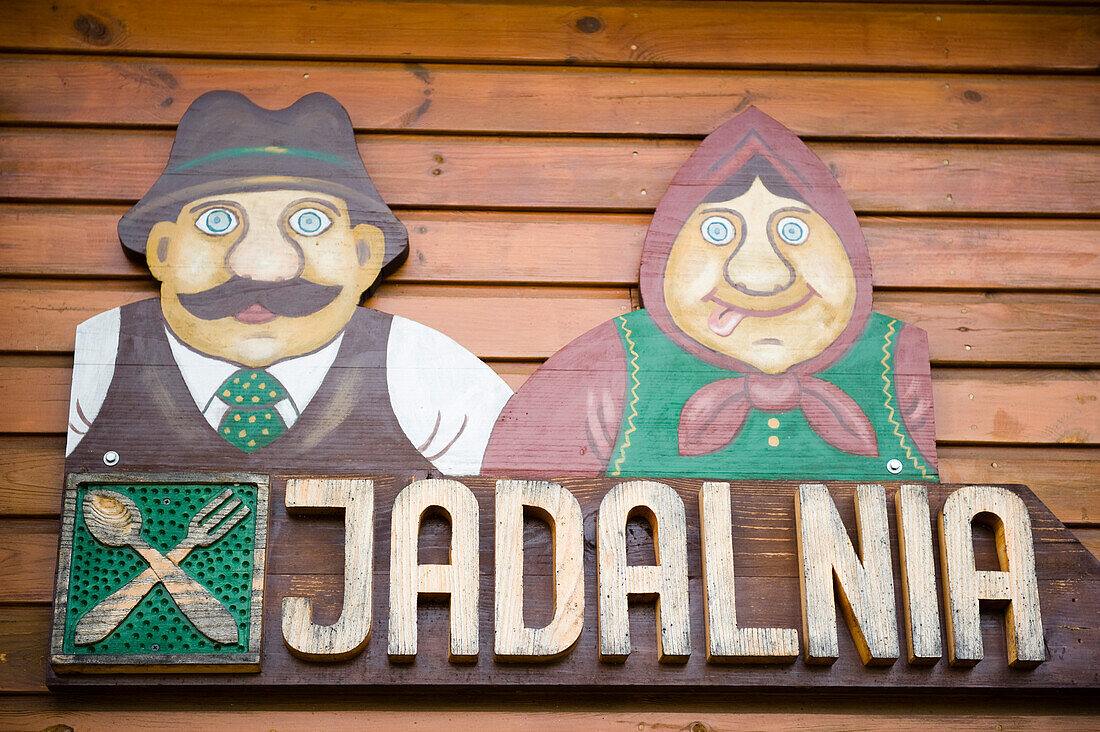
(301, 376)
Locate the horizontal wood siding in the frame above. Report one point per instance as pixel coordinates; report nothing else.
(525, 145)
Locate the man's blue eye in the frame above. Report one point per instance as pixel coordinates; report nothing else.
(216, 222)
(310, 221)
(718, 230)
(792, 230)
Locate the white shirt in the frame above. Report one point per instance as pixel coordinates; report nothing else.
(446, 399)
(300, 376)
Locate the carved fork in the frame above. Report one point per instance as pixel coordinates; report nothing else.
(205, 528)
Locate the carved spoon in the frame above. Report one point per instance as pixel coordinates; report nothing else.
(115, 520)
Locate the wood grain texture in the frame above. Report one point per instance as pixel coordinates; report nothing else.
(864, 580)
(550, 502)
(975, 406)
(305, 559)
(755, 34)
(29, 556)
(725, 640)
(666, 581)
(918, 575)
(352, 630)
(456, 580)
(153, 91)
(1090, 539)
(30, 553)
(604, 249)
(568, 715)
(482, 319)
(965, 328)
(26, 642)
(536, 172)
(1013, 586)
(1062, 477)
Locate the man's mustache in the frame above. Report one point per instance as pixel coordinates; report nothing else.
(290, 298)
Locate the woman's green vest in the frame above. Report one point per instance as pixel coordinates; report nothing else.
(661, 377)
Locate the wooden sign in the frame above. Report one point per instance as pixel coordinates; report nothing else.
(685, 583)
(411, 541)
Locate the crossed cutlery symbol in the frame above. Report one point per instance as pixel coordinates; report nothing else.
(115, 520)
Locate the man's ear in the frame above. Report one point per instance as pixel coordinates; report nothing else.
(370, 248)
(156, 247)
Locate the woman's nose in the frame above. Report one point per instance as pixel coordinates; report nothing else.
(265, 252)
(757, 268)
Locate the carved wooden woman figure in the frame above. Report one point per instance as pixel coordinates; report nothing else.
(757, 354)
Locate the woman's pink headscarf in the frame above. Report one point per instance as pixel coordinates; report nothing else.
(730, 157)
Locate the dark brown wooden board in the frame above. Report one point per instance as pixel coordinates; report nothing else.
(32, 466)
(752, 34)
(602, 249)
(964, 328)
(430, 712)
(583, 173)
(153, 91)
(1014, 406)
(304, 557)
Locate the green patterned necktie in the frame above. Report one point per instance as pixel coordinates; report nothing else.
(252, 421)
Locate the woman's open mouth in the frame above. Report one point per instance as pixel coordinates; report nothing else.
(725, 318)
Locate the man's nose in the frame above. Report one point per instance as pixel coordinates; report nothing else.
(757, 268)
(265, 252)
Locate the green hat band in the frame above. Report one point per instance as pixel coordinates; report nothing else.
(238, 152)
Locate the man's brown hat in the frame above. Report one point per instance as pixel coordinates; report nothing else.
(227, 144)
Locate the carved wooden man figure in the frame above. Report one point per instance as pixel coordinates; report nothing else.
(264, 231)
(757, 355)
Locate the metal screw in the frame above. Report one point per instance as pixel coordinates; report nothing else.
(894, 466)
(155, 646)
(110, 458)
(167, 501)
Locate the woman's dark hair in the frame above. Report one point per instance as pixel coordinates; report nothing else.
(757, 167)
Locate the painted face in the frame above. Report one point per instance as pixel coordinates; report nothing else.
(760, 278)
(261, 276)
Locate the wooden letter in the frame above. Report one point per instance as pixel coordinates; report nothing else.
(667, 581)
(560, 510)
(351, 631)
(726, 641)
(866, 588)
(458, 580)
(918, 575)
(1015, 584)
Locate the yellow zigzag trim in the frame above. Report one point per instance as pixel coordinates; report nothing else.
(886, 391)
(633, 397)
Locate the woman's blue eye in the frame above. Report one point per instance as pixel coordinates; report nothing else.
(792, 230)
(216, 221)
(310, 221)
(718, 230)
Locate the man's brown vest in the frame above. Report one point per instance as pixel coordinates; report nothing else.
(150, 420)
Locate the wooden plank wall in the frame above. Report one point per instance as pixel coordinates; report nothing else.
(524, 145)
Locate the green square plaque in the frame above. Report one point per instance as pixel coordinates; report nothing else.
(160, 572)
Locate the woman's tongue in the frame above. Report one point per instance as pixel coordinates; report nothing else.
(724, 321)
